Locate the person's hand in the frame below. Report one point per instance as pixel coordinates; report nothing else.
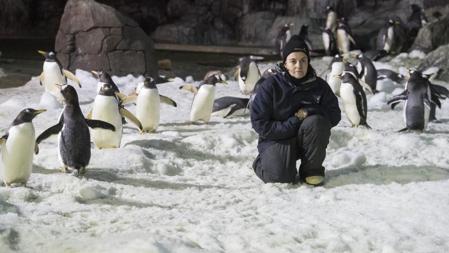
(301, 114)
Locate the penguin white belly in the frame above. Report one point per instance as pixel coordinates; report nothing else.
(53, 76)
(389, 39)
(253, 76)
(349, 103)
(342, 41)
(326, 41)
(203, 103)
(148, 109)
(106, 109)
(335, 83)
(331, 21)
(17, 154)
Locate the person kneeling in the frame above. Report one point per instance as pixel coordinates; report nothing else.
(293, 112)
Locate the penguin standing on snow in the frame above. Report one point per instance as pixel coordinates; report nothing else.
(108, 107)
(344, 38)
(334, 77)
(204, 96)
(353, 97)
(53, 75)
(330, 45)
(248, 74)
(282, 38)
(367, 71)
(74, 136)
(391, 38)
(418, 99)
(17, 148)
(304, 35)
(148, 103)
(331, 19)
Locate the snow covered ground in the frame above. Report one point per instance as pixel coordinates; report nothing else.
(189, 187)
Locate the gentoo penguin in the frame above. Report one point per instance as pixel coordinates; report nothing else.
(104, 77)
(74, 136)
(271, 71)
(148, 103)
(391, 37)
(108, 107)
(283, 37)
(53, 75)
(390, 74)
(334, 77)
(17, 148)
(353, 98)
(330, 45)
(418, 97)
(304, 34)
(248, 74)
(344, 38)
(331, 19)
(204, 96)
(227, 106)
(416, 20)
(367, 71)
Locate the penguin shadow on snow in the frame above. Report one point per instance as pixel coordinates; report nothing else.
(383, 175)
(111, 177)
(114, 201)
(179, 148)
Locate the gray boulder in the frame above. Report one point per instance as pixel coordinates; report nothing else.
(438, 58)
(432, 35)
(94, 36)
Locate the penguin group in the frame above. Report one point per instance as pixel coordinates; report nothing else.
(352, 76)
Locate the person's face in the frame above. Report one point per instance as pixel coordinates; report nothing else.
(297, 64)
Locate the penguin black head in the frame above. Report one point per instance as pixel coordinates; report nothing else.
(214, 77)
(415, 8)
(329, 9)
(244, 67)
(49, 56)
(106, 89)
(26, 115)
(105, 77)
(70, 95)
(351, 68)
(149, 82)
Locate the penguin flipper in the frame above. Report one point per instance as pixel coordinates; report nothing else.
(41, 78)
(72, 77)
(50, 131)
(231, 111)
(3, 139)
(127, 114)
(89, 114)
(189, 87)
(93, 123)
(167, 100)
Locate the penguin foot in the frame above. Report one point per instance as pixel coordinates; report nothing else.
(64, 169)
(82, 170)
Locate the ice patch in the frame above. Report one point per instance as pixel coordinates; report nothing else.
(347, 159)
(95, 192)
(417, 54)
(378, 101)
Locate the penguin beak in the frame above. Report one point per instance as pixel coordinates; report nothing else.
(36, 112)
(42, 52)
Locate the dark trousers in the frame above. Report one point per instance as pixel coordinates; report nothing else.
(277, 163)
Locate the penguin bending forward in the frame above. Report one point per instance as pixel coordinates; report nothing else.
(74, 136)
(204, 96)
(17, 148)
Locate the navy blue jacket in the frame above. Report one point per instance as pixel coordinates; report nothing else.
(279, 97)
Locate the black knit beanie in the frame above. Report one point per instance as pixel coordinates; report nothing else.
(295, 44)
